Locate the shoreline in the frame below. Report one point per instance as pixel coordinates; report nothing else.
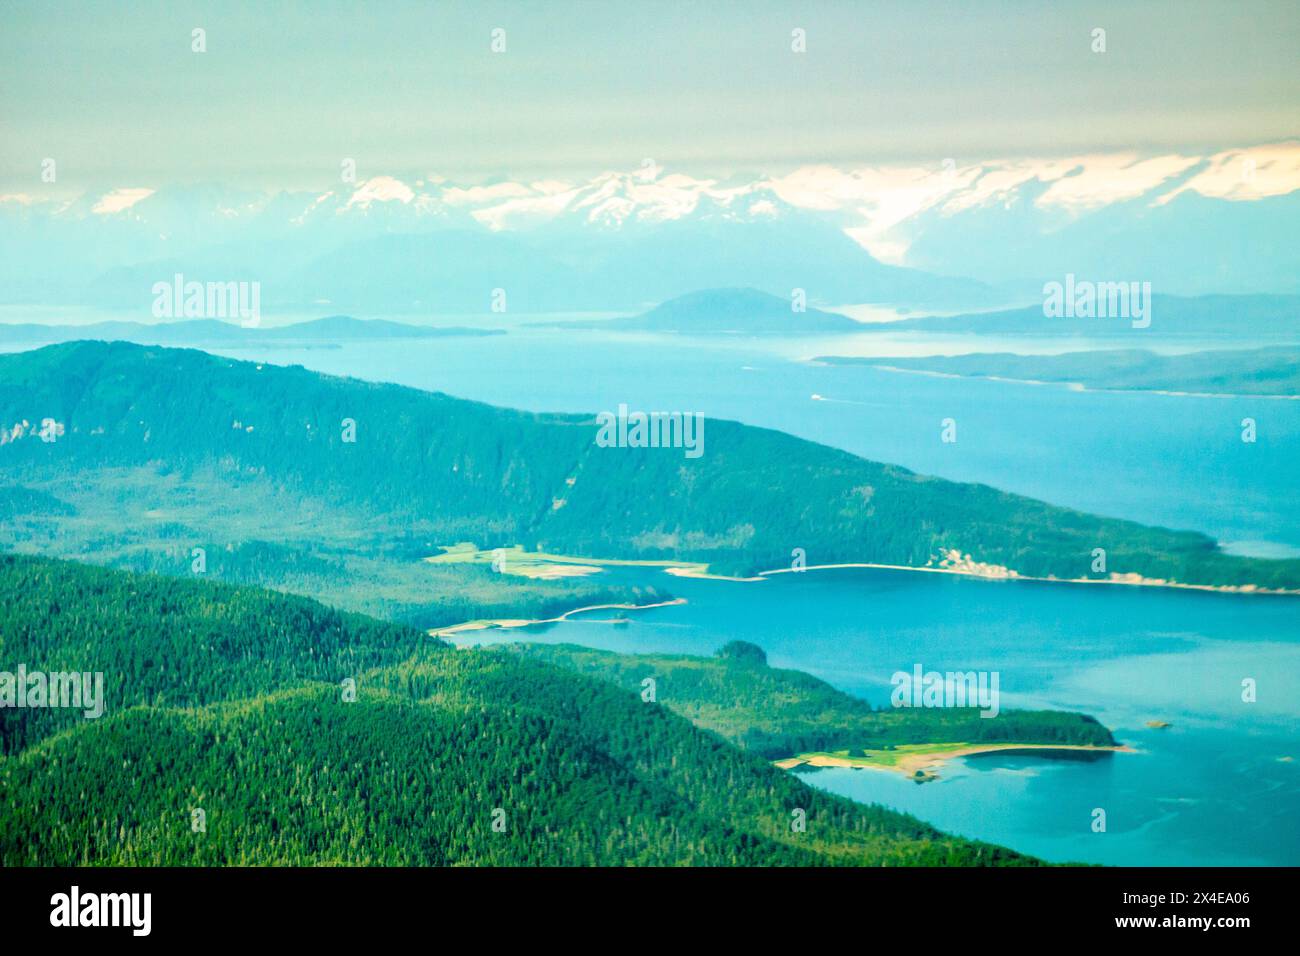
(1060, 383)
(1008, 575)
(921, 766)
(702, 574)
(514, 623)
(961, 566)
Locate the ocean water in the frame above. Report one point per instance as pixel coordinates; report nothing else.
(1219, 786)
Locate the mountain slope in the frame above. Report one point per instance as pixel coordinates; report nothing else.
(435, 749)
(198, 433)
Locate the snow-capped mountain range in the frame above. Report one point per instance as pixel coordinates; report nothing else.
(943, 236)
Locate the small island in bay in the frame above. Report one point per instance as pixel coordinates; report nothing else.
(721, 311)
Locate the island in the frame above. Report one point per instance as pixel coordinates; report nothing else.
(717, 311)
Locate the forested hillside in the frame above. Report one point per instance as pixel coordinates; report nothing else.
(231, 701)
(169, 443)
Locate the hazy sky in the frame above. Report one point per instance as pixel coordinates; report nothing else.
(286, 90)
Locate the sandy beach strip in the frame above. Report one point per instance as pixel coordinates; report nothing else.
(910, 764)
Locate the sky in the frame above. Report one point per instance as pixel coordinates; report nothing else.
(286, 91)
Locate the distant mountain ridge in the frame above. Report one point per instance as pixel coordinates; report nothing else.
(935, 236)
(388, 246)
(334, 328)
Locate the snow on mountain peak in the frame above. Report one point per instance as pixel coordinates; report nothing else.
(381, 189)
(119, 199)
